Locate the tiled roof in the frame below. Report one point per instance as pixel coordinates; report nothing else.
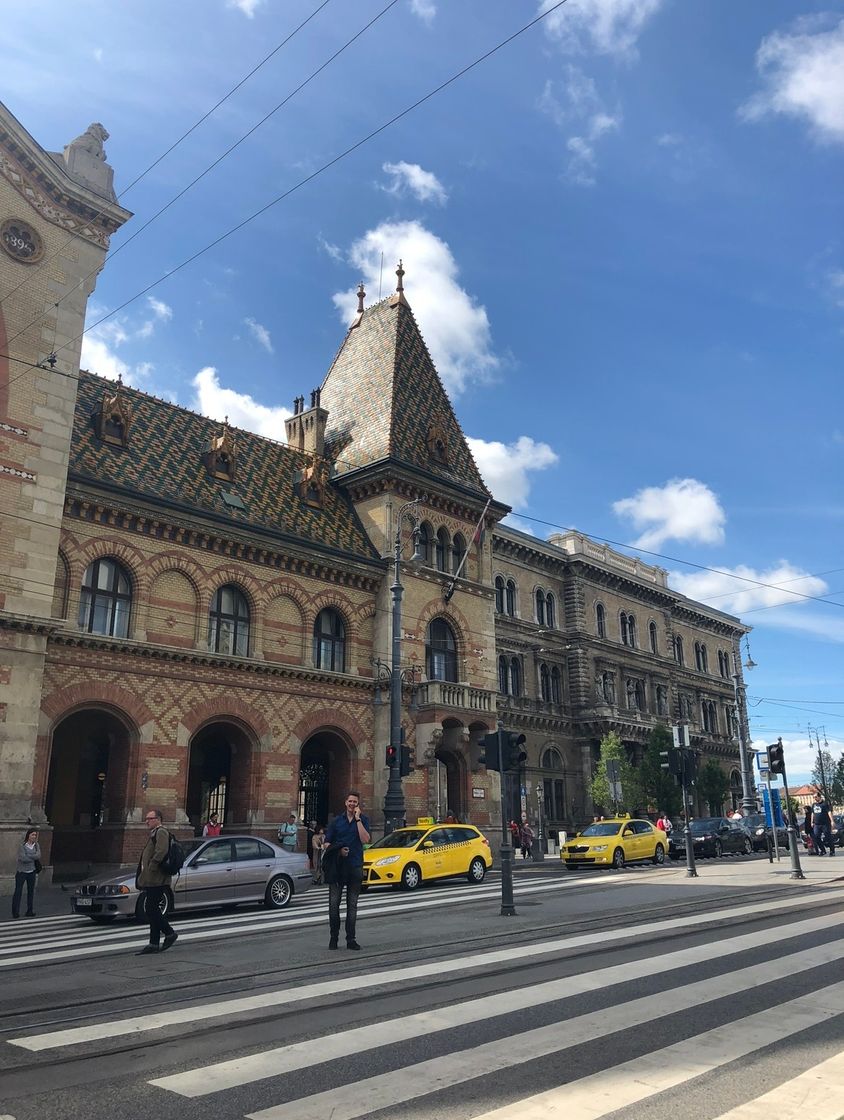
(383, 394)
(164, 462)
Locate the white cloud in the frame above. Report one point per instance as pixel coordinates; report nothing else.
(98, 54)
(835, 278)
(683, 510)
(260, 333)
(424, 185)
(669, 140)
(333, 251)
(455, 327)
(160, 309)
(424, 9)
(505, 467)
(728, 589)
(576, 104)
(100, 347)
(803, 76)
(246, 6)
(599, 26)
(214, 400)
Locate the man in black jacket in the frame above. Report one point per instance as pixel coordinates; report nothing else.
(343, 867)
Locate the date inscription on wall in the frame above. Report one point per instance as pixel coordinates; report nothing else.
(21, 241)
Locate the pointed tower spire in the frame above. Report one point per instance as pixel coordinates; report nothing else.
(361, 297)
(400, 274)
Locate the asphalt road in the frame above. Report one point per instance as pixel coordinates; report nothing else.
(640, 993)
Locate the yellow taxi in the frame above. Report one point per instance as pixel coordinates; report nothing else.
(614, 842)
(411, 856)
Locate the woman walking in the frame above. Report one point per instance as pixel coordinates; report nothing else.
(28, 866)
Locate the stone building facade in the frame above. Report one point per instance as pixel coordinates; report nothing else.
(200, 618)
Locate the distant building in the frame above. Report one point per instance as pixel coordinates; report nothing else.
(196, 617)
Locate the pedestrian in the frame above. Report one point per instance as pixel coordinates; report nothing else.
(318, 845)
(664, 822)
(287, 834)
(342, 863)
(450, 818)
(212, 826)
(154, 882)
(807, 832)
(26, 872)
(514, 834)
(822, 826)
(526, 840)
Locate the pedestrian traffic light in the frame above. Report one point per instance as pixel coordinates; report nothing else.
(776, 758)
(671, 760)
(513, 754)
(405, 766)
(490, 755)
(392, 755)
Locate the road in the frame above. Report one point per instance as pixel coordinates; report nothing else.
(634, 994)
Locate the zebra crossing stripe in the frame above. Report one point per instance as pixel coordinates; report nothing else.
(208, 1079)
(623, 1085)
(818, 1092)
(599, 1094)
(221, 1008)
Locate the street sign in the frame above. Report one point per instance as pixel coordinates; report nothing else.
(615, 790)
(766, 804)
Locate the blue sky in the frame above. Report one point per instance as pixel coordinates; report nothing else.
(622, 237)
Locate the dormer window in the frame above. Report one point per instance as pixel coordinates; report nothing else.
(437, 443)
(114, 418)
(221, 455)
(313, 482)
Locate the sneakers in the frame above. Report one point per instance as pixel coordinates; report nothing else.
(169, 940)
(352, 945)
(332, 944)
(147, 949)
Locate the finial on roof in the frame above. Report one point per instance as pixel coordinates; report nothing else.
(361, 295)
(400, 274)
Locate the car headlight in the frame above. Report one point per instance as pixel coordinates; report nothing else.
(386, 860)
(600, 847)
(117, 889)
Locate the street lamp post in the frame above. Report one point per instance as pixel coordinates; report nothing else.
(394, 807)
(748, 800)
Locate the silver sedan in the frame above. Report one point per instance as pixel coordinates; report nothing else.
(223, 871)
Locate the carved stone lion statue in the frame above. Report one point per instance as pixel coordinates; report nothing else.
(92, 140)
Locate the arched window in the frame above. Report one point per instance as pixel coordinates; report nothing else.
(553, 785)
(600, 620)
(503, 676)
(723, 664)
(540, 607)
(652, 636)
(426, 543)
(551, 759)
(550, 611)
(510, 598)
(544, 682)
(440, 652)
(106, 599)
(701, 659)
(458, 551)
(499, 594)
(556, 686)
(330, 641)
(679, 655)
(228, 629)
(627, 623)
(443, 550)
(515, 677)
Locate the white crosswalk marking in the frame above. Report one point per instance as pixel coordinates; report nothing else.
(225, 1075)
(817, 1092)
(225, 1008)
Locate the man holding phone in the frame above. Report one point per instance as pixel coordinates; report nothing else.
(344, 841)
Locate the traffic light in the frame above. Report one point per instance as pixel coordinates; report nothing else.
(671, 760)
(776, 758)
(513, 754)
(392, 755)
(689, 767)
(405, 766)
(490, 755)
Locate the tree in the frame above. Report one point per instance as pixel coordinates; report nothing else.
(823, 774)
(611, 748)
(712, 785)
(837, 787)
(659, 788)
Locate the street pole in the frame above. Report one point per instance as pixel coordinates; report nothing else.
(748, 801)
(508, 907)
(691, 869)
(539, 846)
(796, 869)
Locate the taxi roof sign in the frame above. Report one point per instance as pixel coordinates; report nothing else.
(425, 820)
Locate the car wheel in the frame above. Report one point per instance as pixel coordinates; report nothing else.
(477, 870)
(748, 846)
(618, 859)
(719, 849)
(659, 854)
(165, 906)
(279, 892)
(411, 877)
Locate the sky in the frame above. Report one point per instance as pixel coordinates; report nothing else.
(622, 237)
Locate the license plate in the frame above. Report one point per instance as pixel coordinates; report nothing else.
(79, 903)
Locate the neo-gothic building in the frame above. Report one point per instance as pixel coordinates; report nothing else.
(198, 617)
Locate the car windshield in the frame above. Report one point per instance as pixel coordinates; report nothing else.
(706, 824)
(602, 828)
(756, 820)
(190, 846)
(405, 838)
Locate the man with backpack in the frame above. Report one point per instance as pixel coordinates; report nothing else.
(153, 879)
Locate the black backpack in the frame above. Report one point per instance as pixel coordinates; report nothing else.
(172, 862)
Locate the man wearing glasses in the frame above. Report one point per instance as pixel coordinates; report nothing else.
(154, 881)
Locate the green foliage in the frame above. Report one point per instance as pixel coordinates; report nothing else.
(837, 790)
(823, 775)
(659, 789)
(712, 785)
(611, 748)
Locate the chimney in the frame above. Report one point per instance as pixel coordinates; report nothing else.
(306, 428)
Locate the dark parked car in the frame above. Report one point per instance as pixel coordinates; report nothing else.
(757, 825)
(712, 836)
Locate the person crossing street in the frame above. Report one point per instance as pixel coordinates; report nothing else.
(342, 864)
(154, 881)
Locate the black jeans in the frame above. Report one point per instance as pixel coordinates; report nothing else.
(158, 924)
(350, 878)
(823, 839)
(22, 877)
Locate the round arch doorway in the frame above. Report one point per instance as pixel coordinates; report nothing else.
(219, 775)
(325, 775)
(87, 782)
